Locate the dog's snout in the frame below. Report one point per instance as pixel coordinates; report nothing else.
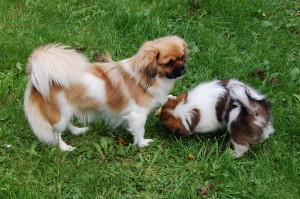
(178, 71)
(181, 67)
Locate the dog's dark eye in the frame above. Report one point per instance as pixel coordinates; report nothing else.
(170, 63)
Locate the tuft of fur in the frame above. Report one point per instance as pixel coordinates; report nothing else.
(56, 64)
(243, 93)
(252, 107)
(41, 127)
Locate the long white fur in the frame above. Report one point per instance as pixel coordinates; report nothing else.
(267, 131)
(205, 97)
(37, 122)
(55, 63)
(237, 91)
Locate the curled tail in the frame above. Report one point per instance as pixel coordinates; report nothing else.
(243, 93)
(56, 64)
(255, 104)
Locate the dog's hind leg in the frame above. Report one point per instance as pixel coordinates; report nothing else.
(76, 130)
(59, 128)
(62, 145)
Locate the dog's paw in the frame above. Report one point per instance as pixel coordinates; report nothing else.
(79, 131)
(143, 143)
(236, 154)
(66, 147)
(171, 97)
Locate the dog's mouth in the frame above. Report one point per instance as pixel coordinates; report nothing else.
(183, 135)
(180, 132)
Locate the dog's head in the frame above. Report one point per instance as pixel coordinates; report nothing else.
(178, 117)
(163, 57)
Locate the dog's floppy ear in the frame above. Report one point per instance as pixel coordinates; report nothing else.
(148, 57)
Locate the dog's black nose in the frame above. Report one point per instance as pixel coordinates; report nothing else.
(177, 72)
(181, 67)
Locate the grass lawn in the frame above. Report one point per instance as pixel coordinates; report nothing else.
(256, 41)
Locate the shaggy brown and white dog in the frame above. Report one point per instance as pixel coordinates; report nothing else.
(213, 105)
(63, 83)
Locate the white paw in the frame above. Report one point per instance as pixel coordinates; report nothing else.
(78, 131)
(65, 147)
(171, 97)
(236, 154)
(143, 142)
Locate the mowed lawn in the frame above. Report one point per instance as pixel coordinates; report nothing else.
(255, 41)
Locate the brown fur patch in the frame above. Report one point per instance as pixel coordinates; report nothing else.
(262, 109)
(195, 119)
(221, 107)
(137, 92)
(148, 66)
(115, 97)
(77, 97)
(174, 124)
(228, 104)
(243, 130)
(49, 108)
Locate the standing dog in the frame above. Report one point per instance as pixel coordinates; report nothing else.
(63, 83)
(213, 105)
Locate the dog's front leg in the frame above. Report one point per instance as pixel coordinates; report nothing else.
(136, 125)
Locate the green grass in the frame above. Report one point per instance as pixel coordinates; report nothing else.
(227, 39)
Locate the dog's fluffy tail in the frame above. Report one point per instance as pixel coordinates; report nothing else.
(56, 64)
(255, 104)
(243, 93)
(40, 126)
(48, 65)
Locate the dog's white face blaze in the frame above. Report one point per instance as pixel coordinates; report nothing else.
(122, 91)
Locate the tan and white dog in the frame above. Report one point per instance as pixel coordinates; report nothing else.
(63, 83)
(213, 105)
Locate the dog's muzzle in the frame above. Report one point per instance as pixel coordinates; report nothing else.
(177, 72)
